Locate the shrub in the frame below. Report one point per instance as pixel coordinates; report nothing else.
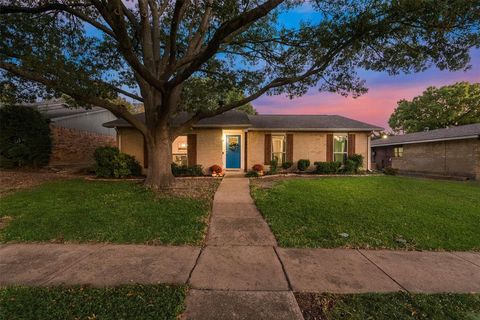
(273, 166)
(303, 164)
(390, 171)
(350, 166)
(216, 169)
(258, 168)
(327, 167)
(287, 165)
(252, 174)
(24, 137)
(110, 162)
(187, 171)
(358, 159)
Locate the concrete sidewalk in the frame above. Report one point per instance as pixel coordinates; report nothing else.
(241, 273)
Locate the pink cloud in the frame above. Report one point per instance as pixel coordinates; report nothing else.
(377, 105)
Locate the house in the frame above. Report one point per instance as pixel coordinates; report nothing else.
(76, 132)
(452, 151)
(82, 119)
(237, 141)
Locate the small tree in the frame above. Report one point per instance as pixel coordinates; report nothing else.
(24, 137)
(437, 108)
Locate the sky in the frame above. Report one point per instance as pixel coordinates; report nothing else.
(374, 107)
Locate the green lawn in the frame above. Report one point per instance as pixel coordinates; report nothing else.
(376, 211)
(123, 302)
(83, 211)
(398, 306)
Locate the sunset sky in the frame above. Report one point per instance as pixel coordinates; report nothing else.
(377, 105)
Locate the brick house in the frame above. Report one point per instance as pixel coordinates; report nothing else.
(452, 151)
(237, 141)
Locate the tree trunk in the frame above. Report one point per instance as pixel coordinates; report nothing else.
(159, 175)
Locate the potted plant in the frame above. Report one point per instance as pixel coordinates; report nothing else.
(258, 168)
(216, 171)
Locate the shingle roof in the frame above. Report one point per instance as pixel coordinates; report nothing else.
(269, 122)
(309, 122)
(56, 109)
(452, 133)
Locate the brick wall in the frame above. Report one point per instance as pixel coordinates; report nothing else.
(75, 147)
(453, 158)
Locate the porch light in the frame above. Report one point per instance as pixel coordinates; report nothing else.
(384, 136)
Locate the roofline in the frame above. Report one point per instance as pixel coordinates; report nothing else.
(426, 141)
(78, 115)
(221, 126)
(315, 129)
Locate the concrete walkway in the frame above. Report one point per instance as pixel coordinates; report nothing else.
(241, 273)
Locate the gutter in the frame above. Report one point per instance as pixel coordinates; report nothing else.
(426, 141)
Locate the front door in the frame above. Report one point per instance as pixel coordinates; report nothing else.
(233, 148)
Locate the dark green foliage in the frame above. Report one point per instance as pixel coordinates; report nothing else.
(375, 211)
(387, 306)
(327, 167)
(286, 165)
(102, 211)
(358, 159)
(187, 171)
(436, 108)
(122, 302)
(303, 164)
(110, 162)
(24, 137)
(273, 166)
(252, 174)
(349, 166)
(390, 171)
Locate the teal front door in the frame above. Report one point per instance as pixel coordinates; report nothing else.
(233, 148)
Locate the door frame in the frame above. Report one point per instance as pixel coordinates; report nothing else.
(233, 132)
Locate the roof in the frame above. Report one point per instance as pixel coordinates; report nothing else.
(468, 131)
(58, 109)
(268, 122)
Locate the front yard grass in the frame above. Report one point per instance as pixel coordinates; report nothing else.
(372, 212)
(123, 302)
(398, 306)
(95, 211)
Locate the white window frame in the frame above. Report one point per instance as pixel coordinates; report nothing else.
(284, 152)
(346, 144)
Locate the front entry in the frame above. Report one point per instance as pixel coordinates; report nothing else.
(233, 151)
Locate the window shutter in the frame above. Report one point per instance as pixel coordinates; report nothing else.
(289, 155)
(192, 149)
(268, 148)
(329, 147)
(145, 154)
(245, 160)
(351, 144)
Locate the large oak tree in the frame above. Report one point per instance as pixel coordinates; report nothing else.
(187, 55)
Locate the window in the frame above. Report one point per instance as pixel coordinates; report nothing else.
(179, 151)
(340, 147)
(278, 147)
(398, 152)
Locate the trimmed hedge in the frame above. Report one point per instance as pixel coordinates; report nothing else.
(327, 167)
(25, 137)
(187, 171)
(303, 164)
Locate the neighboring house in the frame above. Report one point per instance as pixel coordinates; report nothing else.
(89, 120)
(237, 141)
(453, 151)
(76, 132)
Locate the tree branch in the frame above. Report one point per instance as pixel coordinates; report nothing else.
(58, 7)
(223, 33)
